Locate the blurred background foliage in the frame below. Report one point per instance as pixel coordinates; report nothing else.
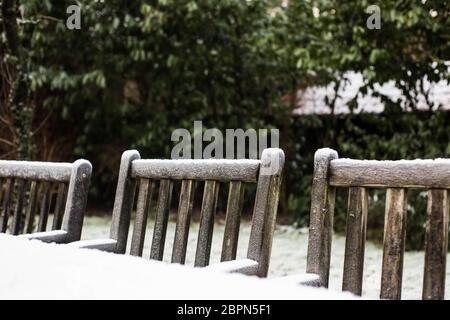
(139, 69)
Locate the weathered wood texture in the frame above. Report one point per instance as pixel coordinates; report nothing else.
(321, 216)
(436, 245)
(265, 209)
(47, 171)
(58, 215)
(140, 222)
(267, 174)
(45, 206)
(31, 209)
(161, 220)
(4, 214)
(2, 180)
(396, 176)
(20, 199)
(232, 220)
(77, 199)
(123, 202)
(392, 174)
(40, 176)
(205, 233)
(219, 170)
(183, 222)
(393, 244)
(355, 240)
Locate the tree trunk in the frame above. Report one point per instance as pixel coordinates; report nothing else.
(19, 92)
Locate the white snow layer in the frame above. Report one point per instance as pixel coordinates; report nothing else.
(48, 271)
(289, 252)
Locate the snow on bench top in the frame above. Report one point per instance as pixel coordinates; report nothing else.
(48, 271)
(393, 162)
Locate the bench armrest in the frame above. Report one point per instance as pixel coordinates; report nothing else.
(56, 236)
(107, 245)
(244, 266)
(305, 279)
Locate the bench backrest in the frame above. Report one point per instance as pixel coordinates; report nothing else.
(27, 188)
(144, 173)
(396, 176)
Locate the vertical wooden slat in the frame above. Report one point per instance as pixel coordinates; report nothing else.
(394, 244)
(183, 222)
(436, 245)
(161, 219)
(232, 220)
(45, 206)
(1, 190)
(59, 207)
(18, 212)
(5, 208)
(140, 223)
(321, 216)
(209, 206)
(31, 210)
(355, 240)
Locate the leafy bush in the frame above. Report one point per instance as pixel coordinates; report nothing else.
(139, 69)
(387, 136)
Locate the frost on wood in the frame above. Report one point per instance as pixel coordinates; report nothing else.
(267, 174)
(48, 171)
(208, 169)
(397, 177)
(395, 174)
(68, 213)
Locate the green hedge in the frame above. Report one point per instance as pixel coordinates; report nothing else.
(386, 136)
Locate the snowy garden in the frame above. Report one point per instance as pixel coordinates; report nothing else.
(297, 148)
(289, 255)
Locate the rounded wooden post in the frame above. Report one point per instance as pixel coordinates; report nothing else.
(266, 207)
(321, 216)
(123, 203)
(77, 199)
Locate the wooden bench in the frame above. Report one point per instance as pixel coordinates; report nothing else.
(397, 176)
(144, 174)
(27, 187)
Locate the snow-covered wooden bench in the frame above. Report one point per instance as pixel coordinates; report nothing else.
(397, 176)
(68, 273)
(26, 187)
(266, 173)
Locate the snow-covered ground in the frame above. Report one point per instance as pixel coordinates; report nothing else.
(37, 270)
(289, 255)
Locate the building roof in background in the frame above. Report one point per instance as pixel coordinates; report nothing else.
(312, 100)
